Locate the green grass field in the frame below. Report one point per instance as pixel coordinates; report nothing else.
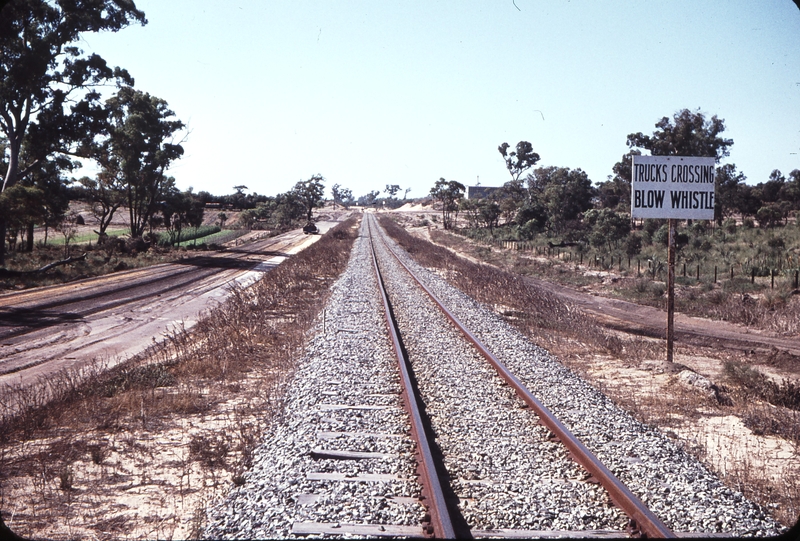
(55, 238)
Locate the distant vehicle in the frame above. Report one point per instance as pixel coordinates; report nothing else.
(310, 228)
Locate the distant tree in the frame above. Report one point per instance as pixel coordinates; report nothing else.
(615, 193)
(471, 210)
(310, 193)
(792, 189)
(107, 195)
(138, 150)
(54, 201)
(771, 214)
(368, 199)
(175, 209)
(221, 219)
(686, 134)
(392, 189)
(21, 205)
(68, 227)
(448, 193)
(512, 196)
(731, 192)
(239, 200)
(489, 214)
(289, 207)
(341, 196)
(607, 227)
(49, 108)
(519, 160)
(565, 194)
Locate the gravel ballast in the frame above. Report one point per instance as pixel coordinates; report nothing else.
(679, 489)
(341, 455)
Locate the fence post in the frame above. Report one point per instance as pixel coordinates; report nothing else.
(796, 275)
(638, 267)
(698, 272)
(715, 274)
(753, 275)
(772, 279)
(581, 258)
(731, 272)
(684, 270)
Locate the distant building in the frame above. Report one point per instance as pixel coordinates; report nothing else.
(480, 192)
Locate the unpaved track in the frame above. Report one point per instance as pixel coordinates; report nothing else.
(114, 317)
(648, 321)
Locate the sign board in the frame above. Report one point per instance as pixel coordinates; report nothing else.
(678, 187)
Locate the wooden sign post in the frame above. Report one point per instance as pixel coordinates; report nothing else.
(676, 188)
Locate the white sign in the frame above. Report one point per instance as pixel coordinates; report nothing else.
(678, 187)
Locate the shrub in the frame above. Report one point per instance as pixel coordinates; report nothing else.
(633, 244)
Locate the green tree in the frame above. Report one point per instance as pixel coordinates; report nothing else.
(107, 194)
(49, 107)
(139, 149)
(21, 205)
(341, 196)
(369, 199)
(176, 209)
(731, 192)
(607, 227)
(565, 194)
(392, 190)
(448, 193)
(686, 134)
(520, 160)
(615, 193)
(310, 193)
(792, 189)
(512, 196)
(489, 214)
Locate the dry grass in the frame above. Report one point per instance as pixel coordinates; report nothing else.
(738, 430)
(139, 451)
(532, 307)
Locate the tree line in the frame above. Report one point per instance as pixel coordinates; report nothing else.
(60, 107)
(563, 202)
(53, 113)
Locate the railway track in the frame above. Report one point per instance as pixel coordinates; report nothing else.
(396, 425)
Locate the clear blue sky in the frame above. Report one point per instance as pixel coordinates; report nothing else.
(375, 93)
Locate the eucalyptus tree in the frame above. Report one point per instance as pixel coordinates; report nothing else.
(49, 104)
(519, 160)
(139, 148)
(341, 196)
(310, 193)
(448, 193)
(685, 134)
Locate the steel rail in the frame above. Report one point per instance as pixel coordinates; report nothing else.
(643, 520)
(437, 505)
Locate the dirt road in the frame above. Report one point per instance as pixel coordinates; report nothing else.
(648, 321)
(114, 317)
